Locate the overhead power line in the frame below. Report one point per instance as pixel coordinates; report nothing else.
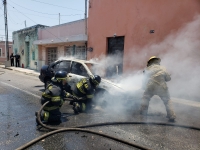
(37, 23)
(57, 5)
(33, 10)
(4, 35)
(41, 12)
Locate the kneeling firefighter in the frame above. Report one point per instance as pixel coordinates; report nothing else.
(85, 88)
(55, 94)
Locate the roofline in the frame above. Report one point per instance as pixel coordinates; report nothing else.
(65, 23)
(35, 26)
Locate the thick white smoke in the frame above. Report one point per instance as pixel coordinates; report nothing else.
(179, 53)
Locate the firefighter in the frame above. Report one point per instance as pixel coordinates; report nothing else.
(85, 88)
(55, 92)
(155, 78)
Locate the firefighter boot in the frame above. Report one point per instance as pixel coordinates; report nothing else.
(76, 107)
(36, 119)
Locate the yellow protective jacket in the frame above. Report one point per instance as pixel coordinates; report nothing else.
(155, 77)
(54, 94)
(84, 89)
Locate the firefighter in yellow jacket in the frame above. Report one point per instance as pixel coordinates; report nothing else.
(55, 94)
(85, 88)
(155, 80)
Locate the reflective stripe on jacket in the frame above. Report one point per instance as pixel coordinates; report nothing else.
(84, 88)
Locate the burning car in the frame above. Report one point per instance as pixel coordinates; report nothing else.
(78, 69)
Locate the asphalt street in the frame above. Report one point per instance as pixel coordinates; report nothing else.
(19, 99)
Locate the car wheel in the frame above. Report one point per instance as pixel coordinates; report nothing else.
(47, 82)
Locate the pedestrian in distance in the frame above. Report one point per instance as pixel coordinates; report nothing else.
(17, 60)
(54, 93)
(155, 78)
(12, 59)
(85, 88)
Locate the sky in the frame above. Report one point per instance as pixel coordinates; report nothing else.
(45, 12)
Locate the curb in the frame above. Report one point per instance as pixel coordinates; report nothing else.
(32, 74)
(6, 68)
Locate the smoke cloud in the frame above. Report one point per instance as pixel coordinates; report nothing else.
(179, 53)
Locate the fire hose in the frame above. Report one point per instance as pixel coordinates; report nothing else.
(77, 128)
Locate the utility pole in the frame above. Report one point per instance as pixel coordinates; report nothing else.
(59, 18)
(86, 17)
(6, 28)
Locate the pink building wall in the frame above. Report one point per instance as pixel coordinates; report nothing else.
(60, 36)
(68, 29)
(3, 56)
(134, 19)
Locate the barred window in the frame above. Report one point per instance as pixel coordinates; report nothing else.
(68, 51)
(78, 52)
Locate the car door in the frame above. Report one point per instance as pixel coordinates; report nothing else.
(53, 68)
(77, 72)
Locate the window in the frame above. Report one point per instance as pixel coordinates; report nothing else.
(64, 65)
(0, 52)
(69, 51)
(79, 69)
(33, 55)
(78, 52)
(56, 66)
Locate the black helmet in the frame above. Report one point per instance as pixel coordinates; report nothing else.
(95, 80)
(60, 75)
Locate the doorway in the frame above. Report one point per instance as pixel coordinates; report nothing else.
(116, 52)
(27, 54)
(51, 55)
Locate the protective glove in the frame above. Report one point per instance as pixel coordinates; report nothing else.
(67, 94)
(75, 98)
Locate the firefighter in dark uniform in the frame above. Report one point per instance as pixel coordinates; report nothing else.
(85, 88)
(55, 94)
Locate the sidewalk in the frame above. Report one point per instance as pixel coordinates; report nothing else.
(23, 70)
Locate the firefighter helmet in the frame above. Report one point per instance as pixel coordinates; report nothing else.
(153, 57)
(60, 75)
(95, 80)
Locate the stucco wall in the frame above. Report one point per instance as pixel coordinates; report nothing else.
(42, 57)
(3, 56)
(134, 19)
(20, 46)
(63, 30)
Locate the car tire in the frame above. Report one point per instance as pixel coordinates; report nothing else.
(47, 82)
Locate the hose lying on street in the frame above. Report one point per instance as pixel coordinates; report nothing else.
(77, 128)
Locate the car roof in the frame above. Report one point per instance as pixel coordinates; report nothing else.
(78, 60)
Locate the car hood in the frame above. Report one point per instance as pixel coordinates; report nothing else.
(111, 86)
